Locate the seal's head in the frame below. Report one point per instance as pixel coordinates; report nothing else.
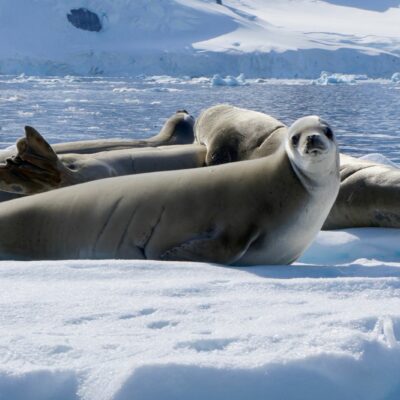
(178, 129)
(187, 118)
(223, 149)
(312, 149)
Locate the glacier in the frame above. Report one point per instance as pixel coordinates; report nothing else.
(260, 38)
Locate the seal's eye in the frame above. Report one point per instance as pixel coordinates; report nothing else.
(329, 133)
(295, 140)
(221, 157)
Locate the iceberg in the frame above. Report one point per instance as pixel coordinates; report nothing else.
(218, 80)
(327, 78)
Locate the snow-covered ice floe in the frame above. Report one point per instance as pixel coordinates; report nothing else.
(327, 327)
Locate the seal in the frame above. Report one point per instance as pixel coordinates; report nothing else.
(236, 134)
(178, 129)
(369, 196)
(369, 193)
(37, 168)
(262, 211)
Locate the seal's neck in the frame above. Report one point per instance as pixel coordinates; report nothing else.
(318, 176)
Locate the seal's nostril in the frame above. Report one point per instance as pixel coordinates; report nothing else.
(311, 139)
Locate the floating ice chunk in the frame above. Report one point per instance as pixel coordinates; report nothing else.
(132, 101)
(379, 159)
(333, 79)
(162, 90)
(218, 80)
(231, 81)
(25, 113)
(361, 77)
(396, 77)
(164, 79)
(200, 80)
(12, 98)
(125, 90)
(241, 78)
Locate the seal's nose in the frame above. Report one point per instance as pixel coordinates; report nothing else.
(315, 142)
(312, 139)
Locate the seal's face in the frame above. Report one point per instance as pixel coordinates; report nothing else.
(189, 119)
(311, 146)
(179, 128)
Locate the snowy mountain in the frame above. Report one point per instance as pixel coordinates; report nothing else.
(262, 38)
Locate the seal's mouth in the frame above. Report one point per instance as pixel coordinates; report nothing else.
(315, 145)
(315, 151)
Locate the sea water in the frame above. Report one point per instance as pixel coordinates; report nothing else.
(364, 116)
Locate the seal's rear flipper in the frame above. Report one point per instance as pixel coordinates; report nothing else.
(34, 149)
(36, 167)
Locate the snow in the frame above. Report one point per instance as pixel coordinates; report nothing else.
(353, 245)
(284, 39)
(327, 327)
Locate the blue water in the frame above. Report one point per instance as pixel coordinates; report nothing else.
(365, 117)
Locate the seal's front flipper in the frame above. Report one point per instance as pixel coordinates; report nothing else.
(36, 167)
(221, 249)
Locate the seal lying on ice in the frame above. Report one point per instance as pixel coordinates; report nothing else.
(262, 211)
(37, 168)
(236, 134)
(369, 196)
(369, 192)
(178, 129)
